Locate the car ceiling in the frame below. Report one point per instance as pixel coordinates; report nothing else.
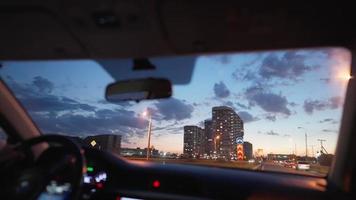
(97, 29)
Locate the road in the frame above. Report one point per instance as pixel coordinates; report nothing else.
(266, 166)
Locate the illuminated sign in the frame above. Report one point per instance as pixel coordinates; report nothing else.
(240, 152)
(239, 140)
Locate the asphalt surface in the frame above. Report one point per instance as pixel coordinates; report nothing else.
(264, 166)
(280, 168)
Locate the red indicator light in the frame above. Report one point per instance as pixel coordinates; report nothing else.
(99, 185)
(156, 184)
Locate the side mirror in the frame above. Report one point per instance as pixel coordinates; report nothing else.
(138, 89)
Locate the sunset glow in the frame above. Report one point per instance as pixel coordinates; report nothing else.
(273, 93)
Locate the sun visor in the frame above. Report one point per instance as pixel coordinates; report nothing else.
(176, 69)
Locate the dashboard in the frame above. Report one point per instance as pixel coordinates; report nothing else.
(111, 177)
(106, 176)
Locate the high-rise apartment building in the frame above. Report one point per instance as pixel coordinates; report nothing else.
(227, 129)
(208, 137)
(248, 151)
(193, 141)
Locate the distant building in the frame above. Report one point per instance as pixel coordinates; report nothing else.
(133, 152)
(111, 143)
(154, 152)
(227, 128)
(193, 140)
(138, 152)
(208, 137)
(259, 153)
(248, 151)
(280, 157)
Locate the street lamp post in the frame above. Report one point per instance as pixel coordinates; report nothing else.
(306, 141)
(146, 113)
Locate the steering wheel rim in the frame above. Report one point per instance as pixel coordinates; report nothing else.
(72, 147)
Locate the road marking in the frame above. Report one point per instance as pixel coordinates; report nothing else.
(256, 167)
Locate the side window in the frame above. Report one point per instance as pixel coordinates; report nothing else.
(3, 138)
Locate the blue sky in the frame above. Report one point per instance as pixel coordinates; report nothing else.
(273, 92)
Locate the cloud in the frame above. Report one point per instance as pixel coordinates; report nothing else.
(59, 114)
(247, 117)
(120, 103)
(325, 80)
(332, 121)
(53, 103)
(36, 97)
(292, 104)
(271, 118)
(272, 133)
(227, 103)
(329, 131)
(335, 102)
(243, 106)
(245, 75)
(312, 105)
(290, 65)
(201, 124)
(268, 101)
(43, 84)
(103, 121)
(174, 109)
(220, 90)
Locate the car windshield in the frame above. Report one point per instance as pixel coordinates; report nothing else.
(239, 110)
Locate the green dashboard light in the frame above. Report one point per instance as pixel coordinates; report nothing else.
(90, 169)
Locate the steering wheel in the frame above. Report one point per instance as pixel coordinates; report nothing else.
(58, 171)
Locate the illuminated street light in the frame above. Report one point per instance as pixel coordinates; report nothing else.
(343, 74)
(216, 138)
(147, 114)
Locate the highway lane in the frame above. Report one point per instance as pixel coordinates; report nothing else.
(267, 166)
(264, 166)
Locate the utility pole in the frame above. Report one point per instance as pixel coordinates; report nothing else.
(149, 138)
(306, 141)
(306, 145)
(321, 146)
(147, 114)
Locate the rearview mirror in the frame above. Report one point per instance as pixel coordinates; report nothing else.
(138, 89)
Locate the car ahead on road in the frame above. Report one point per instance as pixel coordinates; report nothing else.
(290, 164)
(303, 165)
